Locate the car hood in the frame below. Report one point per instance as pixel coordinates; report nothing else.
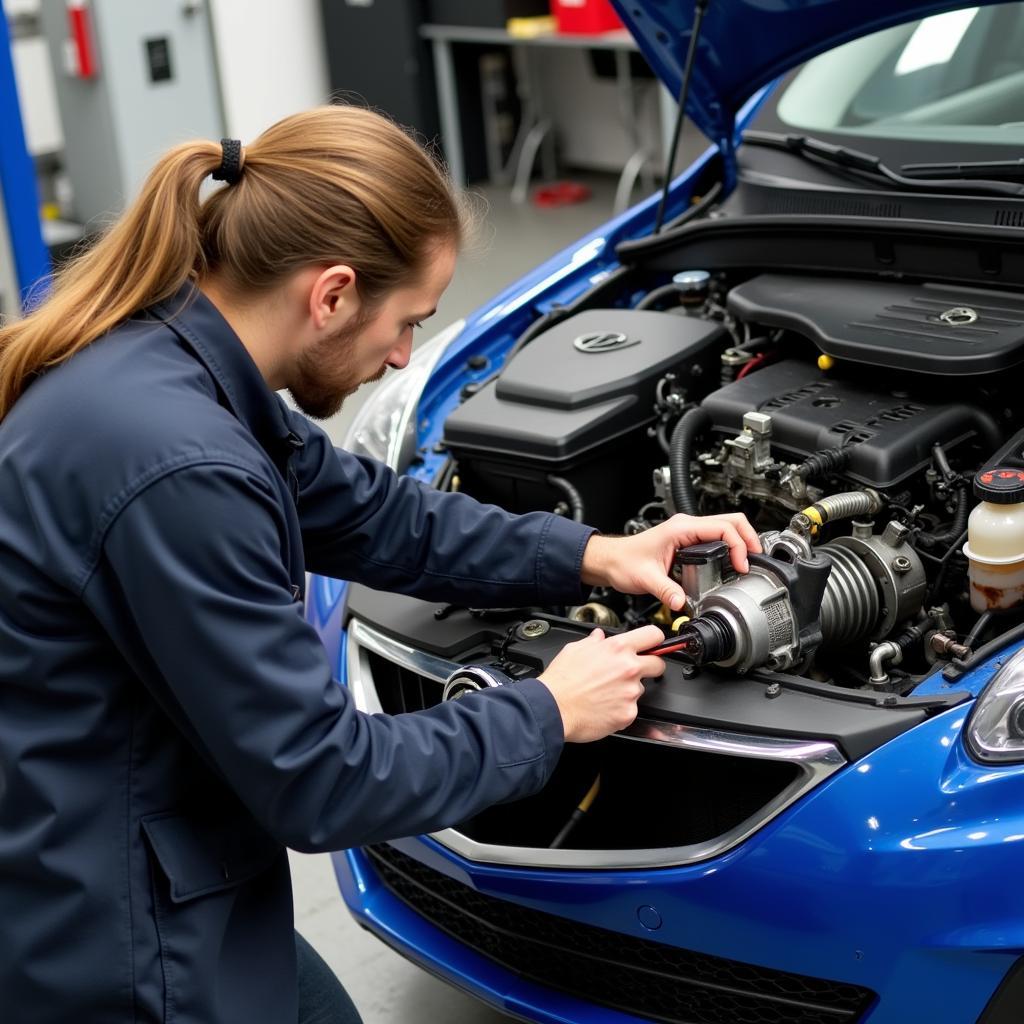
(745, 44)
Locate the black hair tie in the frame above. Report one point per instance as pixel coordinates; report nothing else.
(230, 169)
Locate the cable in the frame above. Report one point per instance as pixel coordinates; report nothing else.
(944, 564)
(756, 361)
(577, 815)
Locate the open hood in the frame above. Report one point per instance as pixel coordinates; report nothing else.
(745, 44)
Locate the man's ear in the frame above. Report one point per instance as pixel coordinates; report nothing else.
(333, 299)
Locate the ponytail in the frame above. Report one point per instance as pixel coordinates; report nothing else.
(332, 185)
(148, 254)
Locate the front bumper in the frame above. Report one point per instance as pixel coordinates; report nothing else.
(888, 886)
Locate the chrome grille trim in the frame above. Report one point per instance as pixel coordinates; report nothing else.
(815, 759)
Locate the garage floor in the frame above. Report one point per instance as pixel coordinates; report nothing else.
(384, 986)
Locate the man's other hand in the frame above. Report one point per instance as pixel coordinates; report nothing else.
(596, 681)
(640, 564)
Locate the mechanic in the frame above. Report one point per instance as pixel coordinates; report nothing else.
(168, 719)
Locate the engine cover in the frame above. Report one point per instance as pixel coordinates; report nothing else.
(563, 395)
(891, 437)
(924, 328)
(575, 404)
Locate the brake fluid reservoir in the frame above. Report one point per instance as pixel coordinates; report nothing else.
(995, 539)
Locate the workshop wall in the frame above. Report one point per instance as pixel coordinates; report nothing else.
(271, 60)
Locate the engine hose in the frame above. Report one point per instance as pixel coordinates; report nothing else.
(836, 506)
(691, 423)
(987, 427)
(956, 527)
(828, 460)
(572, 496)
(658, 296)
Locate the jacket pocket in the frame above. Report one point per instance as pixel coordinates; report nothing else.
(200, 858)
(221, 905)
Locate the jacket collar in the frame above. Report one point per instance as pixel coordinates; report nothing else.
(205, 332)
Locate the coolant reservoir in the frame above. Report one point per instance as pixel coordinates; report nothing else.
(995, 540)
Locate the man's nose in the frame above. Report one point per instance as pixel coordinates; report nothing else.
(398, 357)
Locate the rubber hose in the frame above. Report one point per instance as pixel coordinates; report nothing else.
(956, 527)
(572, 496)
(652, 300)
(847, 505)
(690, 424)
(828, 460)
(988, 427)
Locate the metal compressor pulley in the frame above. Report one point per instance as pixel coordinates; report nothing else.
(798, 597)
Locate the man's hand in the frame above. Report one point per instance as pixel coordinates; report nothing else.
(596, 681)
(640, 564)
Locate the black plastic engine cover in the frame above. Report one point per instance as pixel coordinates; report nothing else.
(890, 437)
(939, 329)
(578, 415)
(554, 403)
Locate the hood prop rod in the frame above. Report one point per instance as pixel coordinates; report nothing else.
(699, 7)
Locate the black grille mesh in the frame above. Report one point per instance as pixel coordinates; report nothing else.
(633, 975)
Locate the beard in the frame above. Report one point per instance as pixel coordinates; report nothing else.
(327, 374)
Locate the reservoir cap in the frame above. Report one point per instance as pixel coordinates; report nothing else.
(1001, 485)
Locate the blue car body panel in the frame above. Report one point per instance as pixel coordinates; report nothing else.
(890, 831)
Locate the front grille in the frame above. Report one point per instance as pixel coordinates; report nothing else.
(632, 975)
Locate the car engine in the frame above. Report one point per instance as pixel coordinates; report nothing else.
(855, 423)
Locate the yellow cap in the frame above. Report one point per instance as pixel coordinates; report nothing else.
(826, 362)
(530, 28)
(50, 211)
(680, 622)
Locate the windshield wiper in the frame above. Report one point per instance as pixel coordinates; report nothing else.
(868, 165)
(996, 170)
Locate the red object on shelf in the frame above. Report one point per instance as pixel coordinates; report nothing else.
(585, 17)
(561, 193)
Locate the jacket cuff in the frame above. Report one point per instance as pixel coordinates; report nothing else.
(560, 561)
(544, 709)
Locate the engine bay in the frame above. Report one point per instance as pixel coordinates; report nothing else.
(856, 423)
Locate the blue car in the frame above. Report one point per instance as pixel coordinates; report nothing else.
(818, 815)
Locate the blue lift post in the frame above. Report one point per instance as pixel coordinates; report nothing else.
(19, 191)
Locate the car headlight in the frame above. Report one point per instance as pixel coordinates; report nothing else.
(385, 426)
(995, 731)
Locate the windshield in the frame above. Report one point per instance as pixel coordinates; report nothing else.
(957, 77)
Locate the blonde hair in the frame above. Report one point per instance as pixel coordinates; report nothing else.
(336, 184)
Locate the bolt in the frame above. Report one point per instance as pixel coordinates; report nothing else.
(532, 628)
(477, 362)
(773, 690)
(901, 565)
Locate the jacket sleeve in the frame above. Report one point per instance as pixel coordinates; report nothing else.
(362, 522)
(208, 620)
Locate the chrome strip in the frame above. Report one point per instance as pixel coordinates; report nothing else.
(817, 760)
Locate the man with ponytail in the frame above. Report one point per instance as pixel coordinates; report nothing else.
(168, 720)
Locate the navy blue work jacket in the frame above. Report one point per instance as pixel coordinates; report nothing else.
(168, 719)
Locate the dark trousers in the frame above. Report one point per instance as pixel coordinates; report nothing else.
(322, 1000)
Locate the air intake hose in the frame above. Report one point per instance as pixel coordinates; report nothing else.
(680, 456)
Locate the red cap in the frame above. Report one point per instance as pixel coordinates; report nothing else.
(1002, 485)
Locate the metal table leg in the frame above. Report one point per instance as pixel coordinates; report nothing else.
(448, 107)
